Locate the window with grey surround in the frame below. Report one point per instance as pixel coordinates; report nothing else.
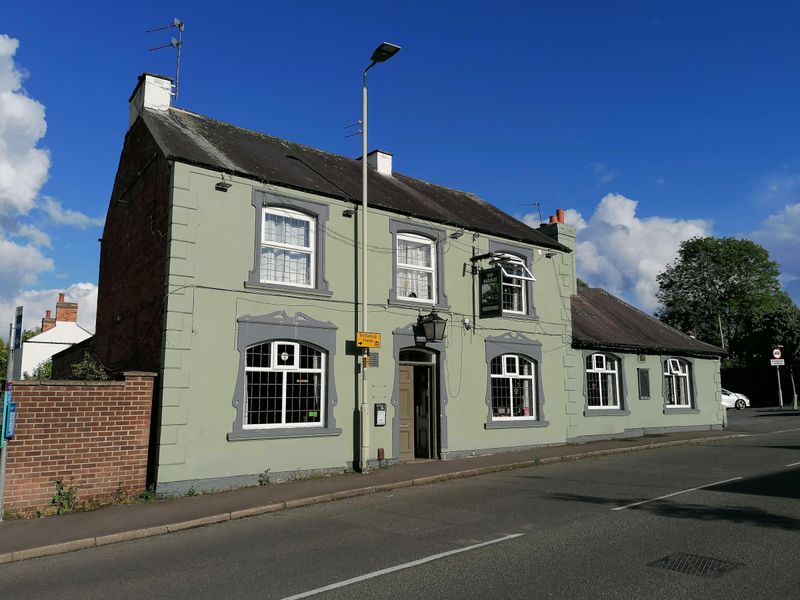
(513, 387)
(285, 385)
(417, 265)
(602, 382)
(517, 279)
(677, 384)
(289, 244)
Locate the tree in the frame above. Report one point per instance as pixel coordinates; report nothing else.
(3, 359)
(43, 371)
(722, 284)
(88, 368)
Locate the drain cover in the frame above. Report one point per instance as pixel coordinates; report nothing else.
(692, 564)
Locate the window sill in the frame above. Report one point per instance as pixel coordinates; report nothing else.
(681, 410)
(520, 317)
(605, 412)
(417, 305)
(288, 432)
(288, 290)
(522, 423)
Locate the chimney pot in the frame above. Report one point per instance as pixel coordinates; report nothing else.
(47, 314)
(61, 297)
(560, 215)
(553, 219)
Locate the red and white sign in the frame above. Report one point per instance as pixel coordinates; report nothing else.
(777, 353)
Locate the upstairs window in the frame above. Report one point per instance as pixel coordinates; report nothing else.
(516, 276)
(677, 388)
(513, 387)
(416, 268)
(602, 382)
(288, 248)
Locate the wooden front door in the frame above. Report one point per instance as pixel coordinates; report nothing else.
(406, 412)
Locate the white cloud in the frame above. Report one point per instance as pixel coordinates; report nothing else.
(65, 216)
(34, 234)
(779, 189)
(23, 166)
(36, 302)
(623, 253)
(780, 234)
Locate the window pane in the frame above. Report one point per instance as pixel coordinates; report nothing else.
(310, 358)
(286, 230)
(414, 284)
(501, 397)
(593, 396)
(303, 392)
(264, 397)
(417, 254)
(513, 295)
(258, 356)
(285, 266)
(496, 366)
(609, 389)
(525, 367)
(644, 383)
(285, 355)
(523, 397)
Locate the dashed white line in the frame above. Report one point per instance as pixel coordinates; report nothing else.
(407, 565)
(699, 487)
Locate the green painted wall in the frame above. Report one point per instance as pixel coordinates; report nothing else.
(211, 246)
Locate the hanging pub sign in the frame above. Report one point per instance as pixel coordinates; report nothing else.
(490, 284)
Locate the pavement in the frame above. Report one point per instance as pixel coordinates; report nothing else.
(24, 539)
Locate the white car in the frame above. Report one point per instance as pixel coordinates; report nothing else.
(734, 400)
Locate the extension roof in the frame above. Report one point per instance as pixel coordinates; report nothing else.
(195, 139)
(603, 321)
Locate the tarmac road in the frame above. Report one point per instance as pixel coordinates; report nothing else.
(576, 536)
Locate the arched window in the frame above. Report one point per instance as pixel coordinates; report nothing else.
(285, 385)
(513, 387)
(676, 383)
(602, 381)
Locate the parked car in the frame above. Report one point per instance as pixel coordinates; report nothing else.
(734, 400)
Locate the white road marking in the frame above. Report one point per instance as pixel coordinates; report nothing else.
(407, 565)
(793, 464)
(699, 487)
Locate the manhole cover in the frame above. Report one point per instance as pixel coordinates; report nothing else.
(692, 564)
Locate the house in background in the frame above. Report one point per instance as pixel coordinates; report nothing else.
(229, 266)
(58, 333)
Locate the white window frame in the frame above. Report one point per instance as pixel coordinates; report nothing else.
(310, 250)
(676, 370)
(284, 370)
(600, 366)
(513, 279)
(411, 237)
(513, 375)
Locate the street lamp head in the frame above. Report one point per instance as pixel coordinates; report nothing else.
(384, 52)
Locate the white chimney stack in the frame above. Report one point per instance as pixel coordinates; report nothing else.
(152, 91)
(380, 161)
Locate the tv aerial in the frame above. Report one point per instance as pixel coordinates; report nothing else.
(174, 43)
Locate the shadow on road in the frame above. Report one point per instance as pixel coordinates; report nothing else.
(733, 514)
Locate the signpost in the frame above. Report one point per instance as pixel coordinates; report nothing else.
(367, 339)
(3, 437)
(777, 361)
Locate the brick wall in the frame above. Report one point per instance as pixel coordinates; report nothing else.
(91, 433)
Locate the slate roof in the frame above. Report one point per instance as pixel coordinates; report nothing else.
(195, 139)
(603, 321)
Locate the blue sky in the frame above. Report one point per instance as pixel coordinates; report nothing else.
(650, 123)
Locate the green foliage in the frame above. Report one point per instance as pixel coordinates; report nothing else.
(3, 359)
(66, 497)
(88, 369)
(192, 491)
(43, 371)
(263, 477)
(729, 284)
(582, 283)
(29, 333)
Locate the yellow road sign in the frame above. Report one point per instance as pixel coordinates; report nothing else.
(365, 339)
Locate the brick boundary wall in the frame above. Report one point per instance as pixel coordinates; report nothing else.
(92, 435)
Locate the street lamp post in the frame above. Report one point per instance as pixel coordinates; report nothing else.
(381, 54)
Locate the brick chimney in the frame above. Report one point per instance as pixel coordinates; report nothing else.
(66, 311)
(48, 322)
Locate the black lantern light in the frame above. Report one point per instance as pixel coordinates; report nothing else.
(433, 325)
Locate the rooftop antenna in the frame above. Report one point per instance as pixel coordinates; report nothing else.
(176, 24)
(538, 206)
